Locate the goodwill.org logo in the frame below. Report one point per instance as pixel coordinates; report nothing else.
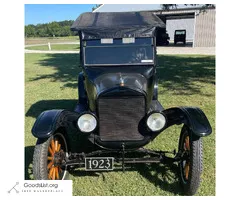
(14, 188)
(42, 186)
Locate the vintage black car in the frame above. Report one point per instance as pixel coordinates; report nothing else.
(118, 109)
(180, 36)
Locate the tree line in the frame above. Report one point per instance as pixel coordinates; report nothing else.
(175, 6)
(52, 29)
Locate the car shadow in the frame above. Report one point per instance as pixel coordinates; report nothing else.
(164, 176)
(161, 175)
(179, 73)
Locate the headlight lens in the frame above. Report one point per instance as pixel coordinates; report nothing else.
(87, 123)
(156, 121)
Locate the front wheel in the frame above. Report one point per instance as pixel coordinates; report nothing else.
(190, 166)
(48, 156)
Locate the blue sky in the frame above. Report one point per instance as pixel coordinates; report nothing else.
(44, 13)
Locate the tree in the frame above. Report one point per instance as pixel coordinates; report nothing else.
(50, 29)
(65, 31)
(96, 6)
(41, 30)
(30, 31)
(174, 6)
(168, 6)
(53, 29)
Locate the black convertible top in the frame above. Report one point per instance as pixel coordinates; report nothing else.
(117, 24)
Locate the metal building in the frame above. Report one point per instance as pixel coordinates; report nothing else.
(199, 25)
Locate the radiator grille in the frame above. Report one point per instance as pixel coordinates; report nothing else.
(119, 118)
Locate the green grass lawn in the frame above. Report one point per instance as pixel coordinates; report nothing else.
(45, 40)
(51, 82)
(56, 47)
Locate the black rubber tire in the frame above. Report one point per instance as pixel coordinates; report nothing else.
(191, 185)
(40, 171)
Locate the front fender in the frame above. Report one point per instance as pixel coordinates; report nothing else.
(193, 117)
(49, 121)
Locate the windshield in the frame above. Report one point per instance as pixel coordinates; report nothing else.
(180, 32)
(124, 51)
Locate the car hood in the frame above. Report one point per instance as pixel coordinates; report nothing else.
(134, 77)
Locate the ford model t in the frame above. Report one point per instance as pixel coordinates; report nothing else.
(118, 109)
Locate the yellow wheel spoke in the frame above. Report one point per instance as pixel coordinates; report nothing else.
(56, 145)
(187, 144)
(56, 171)
(59, 146)
(50, 173)
(53, 175)
(50, 158)
(186, 169)
(50, 165)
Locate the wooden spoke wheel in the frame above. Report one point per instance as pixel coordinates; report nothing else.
(48, 156)
(54, 159)
(190, 166)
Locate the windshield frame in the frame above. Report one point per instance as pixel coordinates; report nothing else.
(83, 48)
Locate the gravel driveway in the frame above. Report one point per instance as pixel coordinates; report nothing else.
(186, 50)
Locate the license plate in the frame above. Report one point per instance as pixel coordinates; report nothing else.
(99, 163)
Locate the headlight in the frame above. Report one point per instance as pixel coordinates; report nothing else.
(87, 123)
(156, 121)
